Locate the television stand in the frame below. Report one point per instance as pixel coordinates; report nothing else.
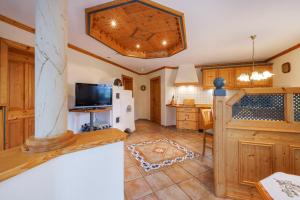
(92, 113)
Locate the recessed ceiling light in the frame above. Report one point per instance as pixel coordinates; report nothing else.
(113, 23)
(138, 46)
(164, 42)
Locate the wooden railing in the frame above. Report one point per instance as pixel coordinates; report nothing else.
(257, 132)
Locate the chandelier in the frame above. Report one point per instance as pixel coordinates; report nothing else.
(255, 75)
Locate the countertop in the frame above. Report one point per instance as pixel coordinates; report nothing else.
(189, 106)
(14, 161)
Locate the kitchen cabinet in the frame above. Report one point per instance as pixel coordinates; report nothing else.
(189, 117)
(230, 74)
(263, 83)
(208, 77)
(238, 72)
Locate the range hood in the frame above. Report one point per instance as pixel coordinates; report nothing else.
(186, 75)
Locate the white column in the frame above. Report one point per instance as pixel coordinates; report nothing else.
(50, 68)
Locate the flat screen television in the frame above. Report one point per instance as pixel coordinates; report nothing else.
(93, 95)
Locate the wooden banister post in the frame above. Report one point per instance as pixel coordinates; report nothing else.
(219, 138)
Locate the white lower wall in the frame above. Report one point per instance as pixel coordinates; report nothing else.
(92, 174)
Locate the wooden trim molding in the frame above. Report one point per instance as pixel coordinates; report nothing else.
(284, 52)
(17, 24)
(71, 46)
(158, 69)
(15, 161)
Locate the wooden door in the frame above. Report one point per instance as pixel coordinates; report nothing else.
(238, 72)
(127, 83)
(20, 106)
(155, 101)
(209, 76)
(229, 77)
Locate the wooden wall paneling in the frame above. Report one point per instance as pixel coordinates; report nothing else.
(3, 73)
(29, 127)
(255, 161)
(295, 159)
(229, 75)
(2, 129)
(14, 133)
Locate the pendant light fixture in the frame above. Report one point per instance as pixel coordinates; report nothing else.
(255, 75)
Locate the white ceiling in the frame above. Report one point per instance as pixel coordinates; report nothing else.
(217, 30)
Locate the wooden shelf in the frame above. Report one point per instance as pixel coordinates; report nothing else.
(98, 110)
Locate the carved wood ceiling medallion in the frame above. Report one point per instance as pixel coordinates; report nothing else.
(137, 28)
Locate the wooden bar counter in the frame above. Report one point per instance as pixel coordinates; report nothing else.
(15, 161)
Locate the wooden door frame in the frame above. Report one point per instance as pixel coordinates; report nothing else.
(151, 105)
(5, 46)
(129, 78)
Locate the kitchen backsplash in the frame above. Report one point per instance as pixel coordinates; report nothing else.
(201, 96)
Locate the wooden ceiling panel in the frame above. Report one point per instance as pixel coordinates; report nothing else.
(137, 28)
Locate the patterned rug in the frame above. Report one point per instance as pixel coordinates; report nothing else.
(159, 153)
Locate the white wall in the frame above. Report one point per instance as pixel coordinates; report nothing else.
(92, 174)
(86, 69)
(291, 79)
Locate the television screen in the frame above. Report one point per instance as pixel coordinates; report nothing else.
(93, 95)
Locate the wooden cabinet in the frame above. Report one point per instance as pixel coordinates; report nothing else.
(208, 77)
(263, 83)
(230, 74)
(238, 72)
(187, 118)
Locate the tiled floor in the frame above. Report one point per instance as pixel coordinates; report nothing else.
(191, 179)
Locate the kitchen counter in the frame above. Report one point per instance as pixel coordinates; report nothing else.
(189, 116)
(189, 106)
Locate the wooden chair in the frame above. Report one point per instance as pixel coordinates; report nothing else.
(208, 124)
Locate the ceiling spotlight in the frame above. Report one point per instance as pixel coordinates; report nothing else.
(113, 23)
(164, 42)
(138, 46)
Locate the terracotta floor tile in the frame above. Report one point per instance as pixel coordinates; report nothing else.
(193, 167)
(136, 189)
(207, 179)
(149, 197)
(177, 174)
(128, 162)
(195, 190)
(158, 181)
(132, 173)
(171, 193)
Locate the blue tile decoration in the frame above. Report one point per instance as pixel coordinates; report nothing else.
(260, 107)
(296, 100)
(147, 166)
